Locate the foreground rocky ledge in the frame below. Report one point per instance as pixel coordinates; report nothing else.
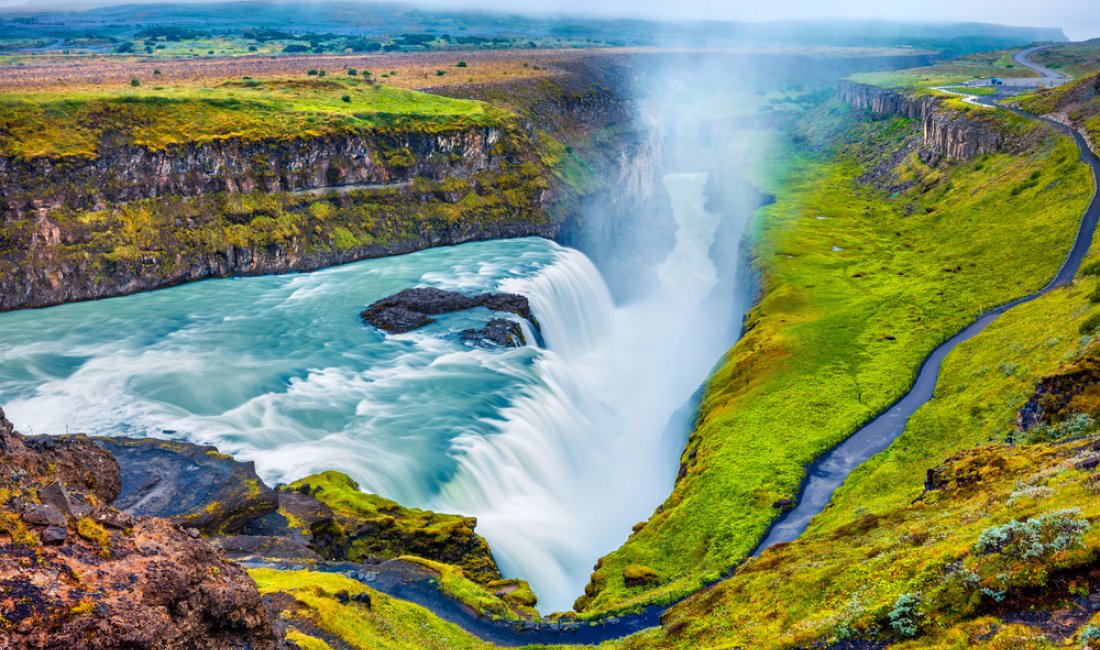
(117, 542)
(78, 573)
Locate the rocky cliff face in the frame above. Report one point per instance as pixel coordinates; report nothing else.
(946, 133)
(125, 172)
(77, 573)
(133, 219)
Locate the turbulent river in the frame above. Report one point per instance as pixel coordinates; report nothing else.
(556, 450)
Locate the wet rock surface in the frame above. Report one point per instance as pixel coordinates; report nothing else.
(497, 333)
(77, 573)
(413, 308)
(192, 485)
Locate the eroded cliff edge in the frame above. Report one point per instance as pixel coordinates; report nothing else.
(130, 217)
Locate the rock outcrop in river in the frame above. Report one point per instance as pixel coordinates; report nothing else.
(411, 309)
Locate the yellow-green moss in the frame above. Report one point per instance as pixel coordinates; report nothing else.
(73, 122)
(482, 599)
(860, 285)
(380, 527)
(306, 642)
(389, 624)
(95, 533)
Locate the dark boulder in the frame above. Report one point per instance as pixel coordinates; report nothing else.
(497, 333)
(42, 514)
(412, 308)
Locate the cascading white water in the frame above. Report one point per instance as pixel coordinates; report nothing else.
(579, 458)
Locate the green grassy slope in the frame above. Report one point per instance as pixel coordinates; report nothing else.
(1079, 102)
(73, 122)
(323, 615)
(880, 538)
(861, 283)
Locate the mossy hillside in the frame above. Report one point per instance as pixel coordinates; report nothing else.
(323, 606)
(74, 122)
(860, 285)
(1079, 101)
(937, 554)
(499, 599)
(880, 538)
(376, 527)
(1073, 59)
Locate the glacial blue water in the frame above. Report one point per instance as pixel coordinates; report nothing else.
(556, 450)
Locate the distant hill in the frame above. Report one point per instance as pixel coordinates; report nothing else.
(345, 18)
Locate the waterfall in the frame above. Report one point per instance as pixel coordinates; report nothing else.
(584, 453)
(571, 301)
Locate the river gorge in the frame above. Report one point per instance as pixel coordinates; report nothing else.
(557, 450)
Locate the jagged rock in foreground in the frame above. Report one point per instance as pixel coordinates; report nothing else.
(412, 308)
(192, 485)
(76, 573)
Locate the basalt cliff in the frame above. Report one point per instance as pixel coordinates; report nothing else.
(131, 218)
(946, 132)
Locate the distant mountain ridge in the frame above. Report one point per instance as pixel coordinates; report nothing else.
(372, 19)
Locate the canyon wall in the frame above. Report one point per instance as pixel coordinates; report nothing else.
(947, 133)
(133, 219)
(125, 172)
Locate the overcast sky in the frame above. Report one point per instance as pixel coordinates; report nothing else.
(1079, 18)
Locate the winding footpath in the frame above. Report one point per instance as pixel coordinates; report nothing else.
(824, 477)
(828, 472)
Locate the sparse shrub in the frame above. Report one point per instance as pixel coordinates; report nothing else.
(1037, 538)
(312, 73)
(251, 48)
(905, 615)
(440, 73)
(1074, 426)
(352, 72)
(460, 64)
(1091, 324)
(156, 72)
(346, 99)
(135, 82)
(320, 73)
(1089, 636)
